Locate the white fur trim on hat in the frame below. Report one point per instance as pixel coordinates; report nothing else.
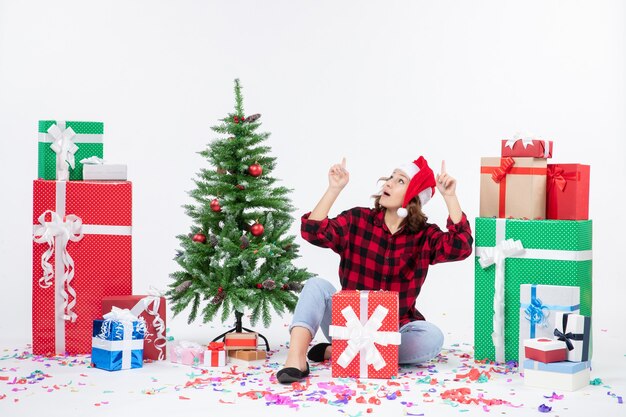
(409, 169)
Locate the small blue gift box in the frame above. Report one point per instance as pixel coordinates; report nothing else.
(117, 345)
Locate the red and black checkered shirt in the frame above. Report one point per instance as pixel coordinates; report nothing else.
(372, 258)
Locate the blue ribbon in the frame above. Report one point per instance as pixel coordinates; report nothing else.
(537, 313)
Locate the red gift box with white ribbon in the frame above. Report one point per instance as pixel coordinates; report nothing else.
(365, 335)
(527, 146)
(81, 253)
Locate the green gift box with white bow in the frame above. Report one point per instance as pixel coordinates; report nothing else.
(512, 252)
(63, 144)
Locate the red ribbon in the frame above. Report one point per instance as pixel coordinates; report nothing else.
(557, 176)
(499, 173)
(216, 346)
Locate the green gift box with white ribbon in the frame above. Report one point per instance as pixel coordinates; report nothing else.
(511, 252)
(63, 144)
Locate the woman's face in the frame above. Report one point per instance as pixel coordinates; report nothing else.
(394, 189)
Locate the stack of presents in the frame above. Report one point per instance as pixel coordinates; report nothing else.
(82, 256)
(533, 265)
(240, 345)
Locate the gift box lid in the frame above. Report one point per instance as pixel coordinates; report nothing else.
(544, 344)
(564, 367)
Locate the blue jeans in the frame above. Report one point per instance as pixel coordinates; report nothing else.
(420, 340)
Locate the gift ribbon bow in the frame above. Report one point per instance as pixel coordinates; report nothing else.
(63, 145)
(536, 313)
(363, 337)
(151, 305)
(526, 140)
(505, 167)
(216, 346)
(59, 232)
(558, 177)
(497, 255)
(569, 336)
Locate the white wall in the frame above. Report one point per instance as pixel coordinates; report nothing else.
(379, 84)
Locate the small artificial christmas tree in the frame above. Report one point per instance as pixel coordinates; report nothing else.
(238, 255)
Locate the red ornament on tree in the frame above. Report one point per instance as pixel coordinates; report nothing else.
(259, 286)
(215, 205)
(199, 237)
(241, 187)
(257, 229)
(255, 169)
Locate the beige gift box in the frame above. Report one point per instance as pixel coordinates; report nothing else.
(513, 187)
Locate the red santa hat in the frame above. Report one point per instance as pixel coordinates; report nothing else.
(422, 183)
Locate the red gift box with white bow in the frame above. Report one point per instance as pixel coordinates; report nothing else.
(81, 253)
(528, 147)
(365, 335)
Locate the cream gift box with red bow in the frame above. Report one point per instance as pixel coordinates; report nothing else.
(81, 253)
(365, 335)
(513, 187)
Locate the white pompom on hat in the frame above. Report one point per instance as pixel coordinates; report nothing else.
(422, 183)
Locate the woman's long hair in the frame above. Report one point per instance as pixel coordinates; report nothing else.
(415, 220)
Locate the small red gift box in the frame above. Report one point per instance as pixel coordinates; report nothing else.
(152, 309)
(82, 252)
(365, 335)
(567, 196)
(545, 350)
(533, 148)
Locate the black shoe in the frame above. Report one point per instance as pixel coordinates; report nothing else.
(289, 375)
(316, 354)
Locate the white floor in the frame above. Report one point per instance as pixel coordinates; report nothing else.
(31, 386)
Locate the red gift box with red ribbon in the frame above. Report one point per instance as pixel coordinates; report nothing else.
(567, 195)
(365, 335)
(151, 308)
(81, 253)
(513, 188)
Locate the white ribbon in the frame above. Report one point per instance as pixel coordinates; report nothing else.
(59, 232)
(497, 256)
(363, 337)
(65, 148)
(525, 138)
(154, 300)
(92, 160)
(490, 255)
(120, 314)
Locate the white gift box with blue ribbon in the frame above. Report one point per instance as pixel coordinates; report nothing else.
(538, 307)
(117, 341)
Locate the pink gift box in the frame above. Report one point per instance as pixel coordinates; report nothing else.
(187, 353)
